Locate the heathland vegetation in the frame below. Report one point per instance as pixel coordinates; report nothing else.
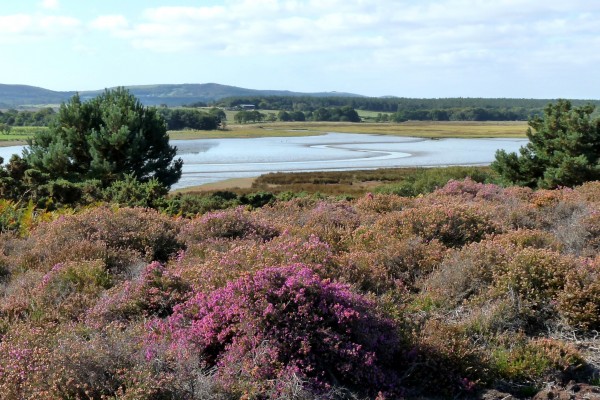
(440, 283)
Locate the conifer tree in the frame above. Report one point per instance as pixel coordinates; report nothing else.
(105, 138)
(563, 149)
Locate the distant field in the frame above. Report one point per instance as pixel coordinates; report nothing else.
(264, 129)
(19, 135)
(417, 128)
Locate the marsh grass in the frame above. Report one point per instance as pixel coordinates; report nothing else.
(434, 130)
(412, 128)
(404, 181)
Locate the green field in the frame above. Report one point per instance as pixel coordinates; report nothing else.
(414, 128)
(461, 129)
(19, 134)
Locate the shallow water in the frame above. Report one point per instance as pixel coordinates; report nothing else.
(213, 160)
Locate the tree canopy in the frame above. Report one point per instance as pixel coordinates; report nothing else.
(105, 138)
(563, 149)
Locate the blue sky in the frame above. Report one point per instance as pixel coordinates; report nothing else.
(408, 48)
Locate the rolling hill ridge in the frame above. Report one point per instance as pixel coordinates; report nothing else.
(152, 95)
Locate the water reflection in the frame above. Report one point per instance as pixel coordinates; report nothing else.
(212, 160)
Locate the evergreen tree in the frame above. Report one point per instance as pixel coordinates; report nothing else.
(563, 149)
(105, 138)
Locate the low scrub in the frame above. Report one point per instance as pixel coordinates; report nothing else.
(469, 287)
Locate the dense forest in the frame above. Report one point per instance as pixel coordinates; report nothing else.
(444, 109)
(175, 118)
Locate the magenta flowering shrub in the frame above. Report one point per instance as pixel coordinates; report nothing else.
(120, 237)
(153, 293)
(330, 222)
(228, 224)
(210, 265)
(470, 189)
(285, 322)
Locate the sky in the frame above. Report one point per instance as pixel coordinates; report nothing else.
(408, 48)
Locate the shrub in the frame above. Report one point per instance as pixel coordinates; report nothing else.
(467, 272)
(377, 263)
(120, 237)
(447, 362)
(284, 322)
(579, 301)
(229, 224)
(333, 223)
(469, 189)
(153, 293)
(453, 225)
(191, 205)
(519, 359)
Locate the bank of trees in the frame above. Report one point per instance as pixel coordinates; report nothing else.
(186, 118)
(41, 117)
(443, 109)
(331, 114)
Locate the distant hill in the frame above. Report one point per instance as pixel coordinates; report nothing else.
(171, 95)
(19, 95)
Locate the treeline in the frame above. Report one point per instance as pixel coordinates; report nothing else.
(175, 118)
(332, 114)
(460, 114)
(180, 118)
(41, 117)
(443, 109)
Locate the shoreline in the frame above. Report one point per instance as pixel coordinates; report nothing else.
(233, 183)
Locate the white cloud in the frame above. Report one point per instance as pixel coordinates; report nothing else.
(50, 4)
(22, 27)
(447, 31)
(110, 22)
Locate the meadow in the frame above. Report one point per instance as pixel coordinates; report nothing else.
(19, 135)
(449, 294)
(414, 128)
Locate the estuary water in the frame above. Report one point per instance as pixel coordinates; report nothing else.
(213, 160)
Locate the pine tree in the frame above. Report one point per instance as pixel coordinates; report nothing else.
(105, 138)
(563, 149)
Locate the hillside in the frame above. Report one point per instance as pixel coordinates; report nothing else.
(19, 95)
(171, 94)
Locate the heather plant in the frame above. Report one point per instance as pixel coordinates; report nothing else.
(15, 295)
(284, 322)
(447, 362)
(211, 264)
(69, 289)
(70, 361)
(153, 293)
(331, 222)
(535, 238)
(536, 274)
(120, 237)
(228, 224)
(466, 272)
(381, 203)
(579, 301)
(454, 225)
(378, 263)
(517, 358)
(470, 189)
